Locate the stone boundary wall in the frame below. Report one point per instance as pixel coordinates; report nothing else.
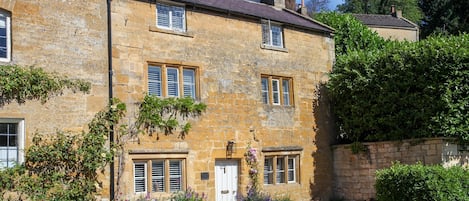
(354, 174)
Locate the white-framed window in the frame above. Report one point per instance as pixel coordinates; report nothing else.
(159, 175)
(166, 80)
(5, 36)
(272, 34)
(171, 17)
(11, 142)
(276, 90)
(284, 167)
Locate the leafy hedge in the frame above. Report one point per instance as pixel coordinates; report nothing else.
(405, 90)
(419, 182)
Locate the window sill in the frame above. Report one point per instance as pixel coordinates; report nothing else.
(268, 47)
(156, 29)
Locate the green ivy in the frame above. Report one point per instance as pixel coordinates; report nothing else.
(167, 114)
(20, 84)
(65, 167)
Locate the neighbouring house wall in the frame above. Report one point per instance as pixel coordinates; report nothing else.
(354, 174)
(66, 37)
(227, 51)
(397, 34)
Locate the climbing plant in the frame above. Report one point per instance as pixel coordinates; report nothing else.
(167, 115)
(20, 84)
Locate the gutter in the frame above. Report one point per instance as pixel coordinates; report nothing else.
(111, 133)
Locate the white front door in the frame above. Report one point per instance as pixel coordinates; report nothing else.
(226, 180)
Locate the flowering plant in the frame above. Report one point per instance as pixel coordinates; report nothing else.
(252, 161)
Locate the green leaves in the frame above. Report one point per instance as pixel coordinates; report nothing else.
(20, 84)
(403, 90)
(167, 114)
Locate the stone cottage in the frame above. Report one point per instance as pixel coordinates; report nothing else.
(257, 65)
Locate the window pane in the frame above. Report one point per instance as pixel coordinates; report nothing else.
(268, 171)
(286, 91)
(175, 175)
(265, 33)
(157, 176)
(265, 90)
(3, 140)
(3, 37)
(154, 80)
(140, 177)
(276, 36)
(189, 83)
(291, 170)
(275, 92)
(163, 15)
(172, 81)
(3, 128)
(280, 170)
(178, 18)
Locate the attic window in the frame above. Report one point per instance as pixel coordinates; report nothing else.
(171, 17)
(272, 34)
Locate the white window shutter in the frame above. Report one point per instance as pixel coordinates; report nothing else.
(189, 82)
(154, 80)
(286, 91)
(163, 16)
(140, 177)
(175, 175)
(172, 75)
(177, 18)
(157, 174)
(4, 34)
(275, 92)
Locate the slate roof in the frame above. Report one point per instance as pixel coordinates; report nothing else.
(383, 20)
(261, 11)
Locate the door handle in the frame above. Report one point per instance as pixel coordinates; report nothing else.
(225, 192)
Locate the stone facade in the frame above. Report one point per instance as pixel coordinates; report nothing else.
(226, 50)
(70, 38)
(400, 34)
(354, 174)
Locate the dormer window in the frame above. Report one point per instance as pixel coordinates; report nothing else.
(171, 17)
(272, 34)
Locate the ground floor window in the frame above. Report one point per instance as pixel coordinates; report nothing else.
(158, 175)
(11, 142)
(281, 169)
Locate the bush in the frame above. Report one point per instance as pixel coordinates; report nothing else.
(419, 182)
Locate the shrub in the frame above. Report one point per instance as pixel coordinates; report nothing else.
(188, 195)
(419, 182)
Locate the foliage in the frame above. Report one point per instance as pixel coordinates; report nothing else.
(406, 90)
(188, 195)
(162, 114)
(350, 35)
(20, 84)
(65, 166)
(444, 16)
(410, 8)
(419, 182)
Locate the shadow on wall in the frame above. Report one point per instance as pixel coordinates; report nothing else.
(321, 186)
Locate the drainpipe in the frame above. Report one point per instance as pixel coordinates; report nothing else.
(111, 134)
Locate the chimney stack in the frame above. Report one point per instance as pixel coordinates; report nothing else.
(302, 8)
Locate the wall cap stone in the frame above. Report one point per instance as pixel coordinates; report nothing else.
(285, 148)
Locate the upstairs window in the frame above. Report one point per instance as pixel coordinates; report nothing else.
(171, 17)
(276, 90)
(165, 80)
(5, 43)
(272, 34)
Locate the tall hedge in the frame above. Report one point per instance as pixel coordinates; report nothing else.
(404, 90)
(419, 182)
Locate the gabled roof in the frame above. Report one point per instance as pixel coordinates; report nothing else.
(261, 11)
(384, 20)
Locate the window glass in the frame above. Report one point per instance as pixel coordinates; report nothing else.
(280, 170)
(268, 171)
(286, 91)
(172, 75)
(291, 169)
(189, 82)
(140, 173)
(163, 19)
(175, 175)
(178, 18)
(276, 36)
(275, 92)
(157, 174)
(154, 80)
(4, 35)
(265, 90)
(170, 17)
(271, 34)
(8, 144)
